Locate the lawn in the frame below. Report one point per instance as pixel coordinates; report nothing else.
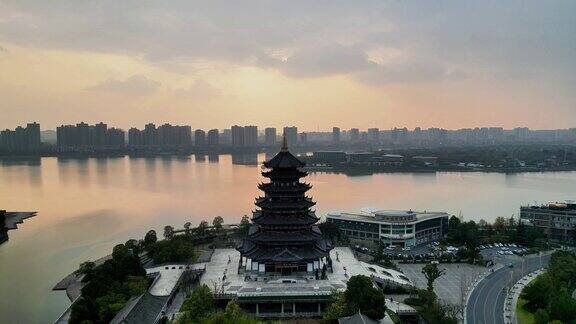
(524, 316)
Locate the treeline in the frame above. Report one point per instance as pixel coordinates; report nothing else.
(109, 285)
(549, 296)
(471, 234)
(200, 308)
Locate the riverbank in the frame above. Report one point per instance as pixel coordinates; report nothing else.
(10, 221)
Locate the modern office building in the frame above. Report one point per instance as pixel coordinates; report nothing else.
(557, 220)
(270, 136)
(392, 227)
(291, 134)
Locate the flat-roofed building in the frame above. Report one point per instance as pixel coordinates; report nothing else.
(213, 137)
(270, 136)
(291, 134)
(250, 135)
(557, 220)
(199, 137)
(237, 136)
(404, 228)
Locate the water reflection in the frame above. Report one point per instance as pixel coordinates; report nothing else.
(200, 157)
(87, 205)
(245, 158)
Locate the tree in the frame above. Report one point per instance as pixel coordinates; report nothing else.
(563, 307)
(187, 226)
(133, 246)
(541, 317)
(199, 304)
(136, 285)
(244, 224)
(454, 222)
(201, 229)
(217, 222)
(119, 252)
(87, 269)
(537, 293)
(361, 295)
(431, 273)
(500, 224)
(330, 231)
(336, 309)
(150, 237)
(168, 232)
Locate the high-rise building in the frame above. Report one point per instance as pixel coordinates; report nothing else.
(135, 137)
(199, 137)
(21, 139)
(374, 135)
(213, 137)
(270, 136)
(336, 134)
(226, 137)
(237, 136)
(115, 137)
(32, 136)
(150, 135)
(291, 134)
(303, 138)
(99, 132)
(354, 135)
(251, 136)
(83, 133)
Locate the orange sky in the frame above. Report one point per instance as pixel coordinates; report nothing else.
(352, 66)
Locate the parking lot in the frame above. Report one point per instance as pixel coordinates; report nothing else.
(436, 251)
(496, 250)
(451, 286)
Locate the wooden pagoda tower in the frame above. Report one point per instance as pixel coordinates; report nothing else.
(283, 238)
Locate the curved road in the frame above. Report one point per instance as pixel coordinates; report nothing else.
(486, 302)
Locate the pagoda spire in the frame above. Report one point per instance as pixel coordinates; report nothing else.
(284, 144)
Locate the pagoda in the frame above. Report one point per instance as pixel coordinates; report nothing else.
(283, 238)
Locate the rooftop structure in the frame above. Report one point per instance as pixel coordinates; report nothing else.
(301, 296)
(557, 220)
(403, 228)
(283, 238)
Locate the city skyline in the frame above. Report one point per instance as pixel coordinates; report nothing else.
(375, 64)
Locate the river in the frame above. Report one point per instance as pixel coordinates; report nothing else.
(86, 206)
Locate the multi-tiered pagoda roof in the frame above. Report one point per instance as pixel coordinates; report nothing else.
(283, 229)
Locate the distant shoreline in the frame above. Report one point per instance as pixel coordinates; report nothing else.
(342, 168)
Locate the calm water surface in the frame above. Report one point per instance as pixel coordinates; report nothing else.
(86, 206)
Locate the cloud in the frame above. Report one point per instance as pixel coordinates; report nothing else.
(134, 85)
(528, 39)
(411, 72)
(199, 90)
(322, 61)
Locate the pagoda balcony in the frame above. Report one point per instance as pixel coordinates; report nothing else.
(299, 205)
(284, 174)
(271, 186)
